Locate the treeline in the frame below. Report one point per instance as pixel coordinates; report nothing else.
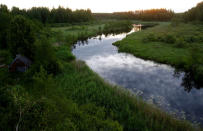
(195, 13)
(146, 15)
(45, 15)
(21, 35)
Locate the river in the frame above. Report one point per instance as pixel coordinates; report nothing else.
(157, 84)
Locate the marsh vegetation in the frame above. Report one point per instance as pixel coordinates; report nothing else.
(60, 93)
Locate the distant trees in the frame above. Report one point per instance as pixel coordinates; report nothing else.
(155, 15)
(147, 15)
(40, 13)
(194, 14)
(17, 11)
(59, 15)
(55, 15)
(4, 9)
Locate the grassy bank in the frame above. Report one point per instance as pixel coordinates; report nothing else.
(73, 97)
(70, 34)
(178, 45)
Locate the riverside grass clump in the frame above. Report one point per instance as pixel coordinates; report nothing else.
(168, 44)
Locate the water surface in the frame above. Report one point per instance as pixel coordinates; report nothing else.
(155, 83)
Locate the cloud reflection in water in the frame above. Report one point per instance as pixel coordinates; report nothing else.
(154, 82)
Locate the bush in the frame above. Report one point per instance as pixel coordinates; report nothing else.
(44, 55)
(169, 39)
(193, 38)
(22, 37)
(180, 43)
(5, 57)
(117, 27)
(150, 38)
(64, 53)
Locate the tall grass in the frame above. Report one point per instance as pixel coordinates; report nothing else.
(168, 44)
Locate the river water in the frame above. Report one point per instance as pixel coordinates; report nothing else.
(157, 84)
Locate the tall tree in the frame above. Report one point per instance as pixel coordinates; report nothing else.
(22, 36)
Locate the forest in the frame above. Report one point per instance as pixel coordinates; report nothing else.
(194, 14)
(45, 15)
(145, 15)
(59, 92)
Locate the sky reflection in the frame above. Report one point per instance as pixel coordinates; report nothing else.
(155, 83)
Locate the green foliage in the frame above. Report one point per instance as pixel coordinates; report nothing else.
(3, 9)
(59, 15)
(181, 40)
(117, 27)
(169, 39)
(46, 15)
(145, 15)
(63, 53)
(177, 19)
(70, 34)
(57, 93)
(149, 38)
(5, 57)
(4, 29)
(44, 55)
(180, 43)
(39, 13)
(166, 38)
(111, 103)
(22, 36)
(195, 13)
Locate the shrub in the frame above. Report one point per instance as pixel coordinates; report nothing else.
(149, 38)
(117, 27)
(193, 38)
(180, 43)
(64, 53)
(44, 56)
(5, 57)
(22, 36)
(169, 39)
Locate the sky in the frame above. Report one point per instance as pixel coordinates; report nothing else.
(106, 5)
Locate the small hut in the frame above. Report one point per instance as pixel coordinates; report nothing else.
(20, 63)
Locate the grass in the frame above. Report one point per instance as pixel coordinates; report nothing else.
(75, 99)
(70, 34)
(180, 46)
(85, 87)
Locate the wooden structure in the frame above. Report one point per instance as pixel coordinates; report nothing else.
(20, 64)
(137, 27)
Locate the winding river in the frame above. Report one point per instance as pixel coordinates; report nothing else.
(157, 84)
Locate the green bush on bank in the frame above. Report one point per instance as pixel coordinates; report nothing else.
(166, 38)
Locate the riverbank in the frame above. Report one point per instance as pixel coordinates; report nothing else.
(177, 45)
(74, 98)
(85, 87)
